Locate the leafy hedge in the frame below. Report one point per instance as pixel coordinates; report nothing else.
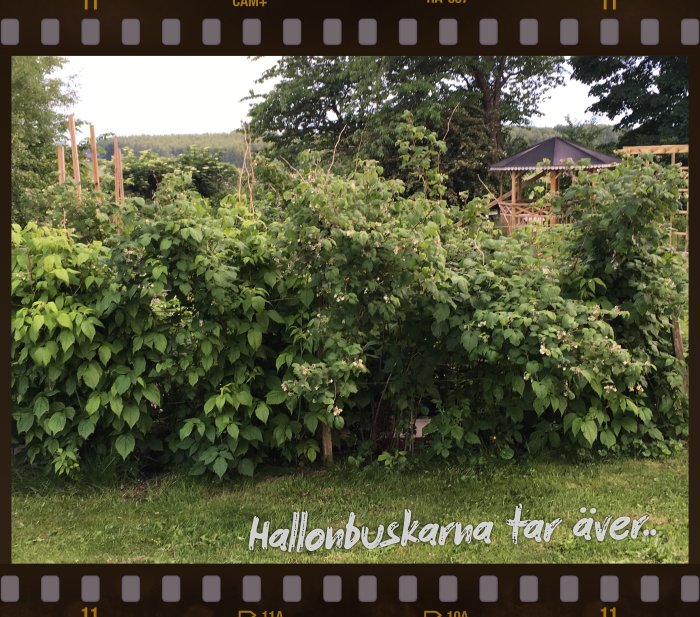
(219, 339)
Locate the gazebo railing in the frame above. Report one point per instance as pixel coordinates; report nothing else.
(518, 214)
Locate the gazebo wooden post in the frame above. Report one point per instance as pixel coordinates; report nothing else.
(553, 179)
(513, 199)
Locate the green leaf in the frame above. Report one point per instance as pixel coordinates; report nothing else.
(61, 274)
(25, 421)
(206, 348)
(42, 355)
(152, 394)
(64, 320)
(93, 403)
(470, 339)
(275, 397)
(122, 384)
(131, 415)
(246, 467)
(233, 431)
(117, 405)
(629, 424)
(518, 384)
(192, 378)
(86, 427)
(88, 329)
(220, 466)
(262, 411)
(91, 375)
(311, 422)
(306, 296)
(589, 430)
(125, 445)
(186, 429)
(105, 353)
(254, 338)
(441, 312)
(66, 338)
(160, 342)
(209, 404)
(470, 437)
(540, 389)
(568, 419)
(41, 406)
(56, 423)
(165, 244)
(506, 452)
(251, 433)
(607, 438)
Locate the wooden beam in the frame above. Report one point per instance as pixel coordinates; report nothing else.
(95, 168)
(662, 149)
(61, 165)
(74, 152)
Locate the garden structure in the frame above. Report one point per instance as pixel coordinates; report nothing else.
(678, 227)
(547, 159)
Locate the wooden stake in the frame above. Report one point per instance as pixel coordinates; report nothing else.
(74, 152)
(326, 444)
(118, 174)
(95, 169)
(678, 350)
(61, 165)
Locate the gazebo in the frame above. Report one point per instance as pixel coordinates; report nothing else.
(548, 158)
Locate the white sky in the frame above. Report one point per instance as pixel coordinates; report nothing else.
(131, 95)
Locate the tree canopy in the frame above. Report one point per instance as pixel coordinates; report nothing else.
(649, 93)
(352, 104)
(36, 122)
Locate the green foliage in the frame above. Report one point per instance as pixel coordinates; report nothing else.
(228, 146)
(352, 105)
(211, 176)
(649, 93)
(36, 126)
(220, 339)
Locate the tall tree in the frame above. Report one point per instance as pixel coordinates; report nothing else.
(37, 97)
(650, 94)
(466, 99)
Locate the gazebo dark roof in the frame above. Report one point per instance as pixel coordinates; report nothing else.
(556, 150)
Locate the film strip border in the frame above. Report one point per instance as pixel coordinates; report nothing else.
(335, 32)
(431, 591)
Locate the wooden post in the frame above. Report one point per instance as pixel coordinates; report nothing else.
(118, 174)
(553, 189)
(74, 152)
(61, 165)
(513, 199)
(326, 444)
(678, 350)
(95, 168)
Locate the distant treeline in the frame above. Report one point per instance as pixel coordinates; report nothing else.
(230, 145)
(602, 137)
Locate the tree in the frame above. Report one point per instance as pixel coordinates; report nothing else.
(354, 104)
(36, 124)
(649, 93)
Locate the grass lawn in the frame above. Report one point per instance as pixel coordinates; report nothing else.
(179, 519)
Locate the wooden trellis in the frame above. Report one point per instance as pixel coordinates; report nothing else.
(678, 224)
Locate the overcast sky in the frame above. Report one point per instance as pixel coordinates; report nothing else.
(129, 95)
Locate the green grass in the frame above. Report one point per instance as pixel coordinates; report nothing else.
(178, 519)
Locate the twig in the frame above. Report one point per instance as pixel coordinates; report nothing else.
(449, 120)
(335, 148)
